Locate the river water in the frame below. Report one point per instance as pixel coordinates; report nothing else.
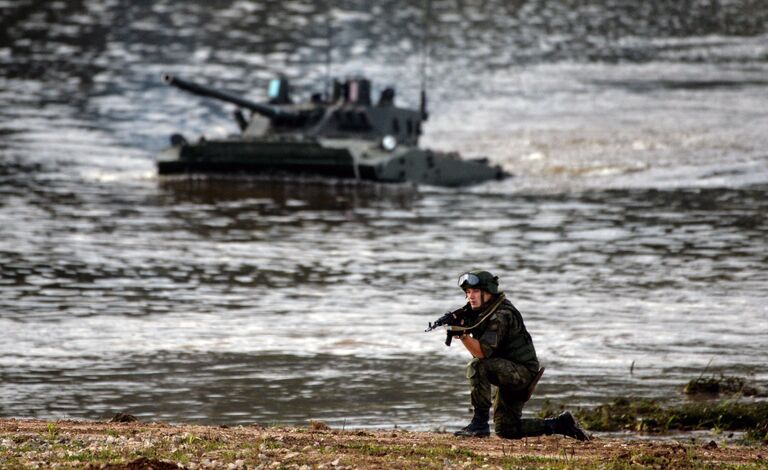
(632, 237)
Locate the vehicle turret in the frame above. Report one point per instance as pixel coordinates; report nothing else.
(347, 113)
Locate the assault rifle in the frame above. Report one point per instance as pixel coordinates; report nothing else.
(457, 318)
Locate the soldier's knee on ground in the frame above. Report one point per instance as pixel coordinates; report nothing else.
(506, 422)
(508, 430)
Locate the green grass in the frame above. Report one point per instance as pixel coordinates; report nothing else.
(53, 432)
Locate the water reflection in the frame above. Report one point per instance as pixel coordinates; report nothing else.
(287, 195)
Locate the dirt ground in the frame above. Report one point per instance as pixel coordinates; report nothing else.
(27, 443)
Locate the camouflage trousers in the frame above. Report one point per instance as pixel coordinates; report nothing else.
(510, 380)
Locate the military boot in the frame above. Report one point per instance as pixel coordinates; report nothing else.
(478, 427)
(566, 425)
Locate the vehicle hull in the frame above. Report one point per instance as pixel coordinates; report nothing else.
(311, 158)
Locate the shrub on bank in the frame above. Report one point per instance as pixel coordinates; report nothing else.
(643, 415)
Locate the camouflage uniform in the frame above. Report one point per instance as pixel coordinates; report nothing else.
(510, 363)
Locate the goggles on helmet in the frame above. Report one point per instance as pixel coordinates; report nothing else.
(468, 279)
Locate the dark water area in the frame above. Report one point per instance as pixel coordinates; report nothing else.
(632, 237)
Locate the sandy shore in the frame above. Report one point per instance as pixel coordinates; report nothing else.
(26, 443)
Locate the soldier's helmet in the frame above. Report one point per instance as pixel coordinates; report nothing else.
(479, 280)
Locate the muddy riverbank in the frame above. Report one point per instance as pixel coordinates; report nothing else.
(26, 443)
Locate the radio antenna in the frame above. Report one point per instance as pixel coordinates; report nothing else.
(425, 53)
(328, 50)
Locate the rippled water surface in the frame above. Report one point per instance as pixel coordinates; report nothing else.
(632, 237)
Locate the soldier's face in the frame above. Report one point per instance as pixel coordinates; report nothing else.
(476, 297)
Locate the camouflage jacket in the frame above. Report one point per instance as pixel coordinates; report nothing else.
(503, 335)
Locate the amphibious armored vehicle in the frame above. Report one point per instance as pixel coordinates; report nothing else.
(343, 135)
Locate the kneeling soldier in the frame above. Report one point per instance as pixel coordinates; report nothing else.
(504, 356)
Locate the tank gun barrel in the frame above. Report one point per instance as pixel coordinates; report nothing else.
(202, 90)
